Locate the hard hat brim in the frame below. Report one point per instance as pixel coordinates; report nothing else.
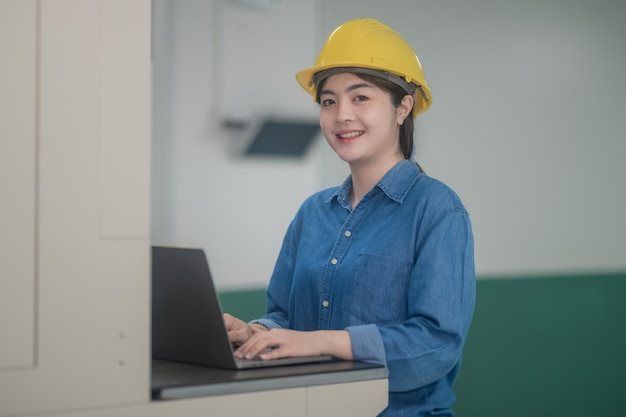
(306, 77)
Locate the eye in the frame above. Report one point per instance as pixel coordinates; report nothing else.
(327, 102)
(361, 98)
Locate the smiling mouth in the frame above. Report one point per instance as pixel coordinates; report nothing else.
(350, 135)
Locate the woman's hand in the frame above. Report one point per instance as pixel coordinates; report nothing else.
(282, 343)
(239, 331)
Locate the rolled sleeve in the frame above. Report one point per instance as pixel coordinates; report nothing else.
(367, 343)
(269, 324)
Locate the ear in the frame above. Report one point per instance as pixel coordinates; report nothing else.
(404, 109)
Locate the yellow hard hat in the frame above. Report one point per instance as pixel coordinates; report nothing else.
(368, 46)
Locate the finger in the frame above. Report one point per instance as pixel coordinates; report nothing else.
(228, 321)
(253, 346)
(239, 335)
(274, 353)
(232, 322)
(247, 350)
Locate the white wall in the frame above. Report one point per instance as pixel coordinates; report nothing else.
(527, 126)
(74, 217)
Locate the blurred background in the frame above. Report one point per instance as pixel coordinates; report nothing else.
(527, 125)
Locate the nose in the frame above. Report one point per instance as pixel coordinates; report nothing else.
(344, 111)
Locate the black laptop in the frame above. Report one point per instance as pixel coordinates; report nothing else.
(187, 322)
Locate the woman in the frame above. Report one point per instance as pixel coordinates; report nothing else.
(381, 268)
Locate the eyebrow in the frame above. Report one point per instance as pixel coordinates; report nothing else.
(350, 88)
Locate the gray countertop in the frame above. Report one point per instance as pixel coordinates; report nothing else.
(174, 380)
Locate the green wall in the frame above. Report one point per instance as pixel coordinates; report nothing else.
(246, 304)
(546, 346)
(539, 346)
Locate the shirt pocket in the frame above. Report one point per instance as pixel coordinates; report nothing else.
(378, 289)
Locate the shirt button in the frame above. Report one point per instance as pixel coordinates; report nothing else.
(325, 303)
(348, 233)
(334, 261)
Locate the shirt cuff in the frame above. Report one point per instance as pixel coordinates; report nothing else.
(266, 323)
(367, 344)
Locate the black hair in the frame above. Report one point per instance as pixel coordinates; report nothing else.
(397, 94)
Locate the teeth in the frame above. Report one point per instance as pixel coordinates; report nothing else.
(350, 135)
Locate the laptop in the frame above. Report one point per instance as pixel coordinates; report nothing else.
(187, 321)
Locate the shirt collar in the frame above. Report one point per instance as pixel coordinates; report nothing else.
(396, 183)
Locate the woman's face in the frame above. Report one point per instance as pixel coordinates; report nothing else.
(359, 120)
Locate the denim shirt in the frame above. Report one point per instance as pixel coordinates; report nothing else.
(397, 272)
